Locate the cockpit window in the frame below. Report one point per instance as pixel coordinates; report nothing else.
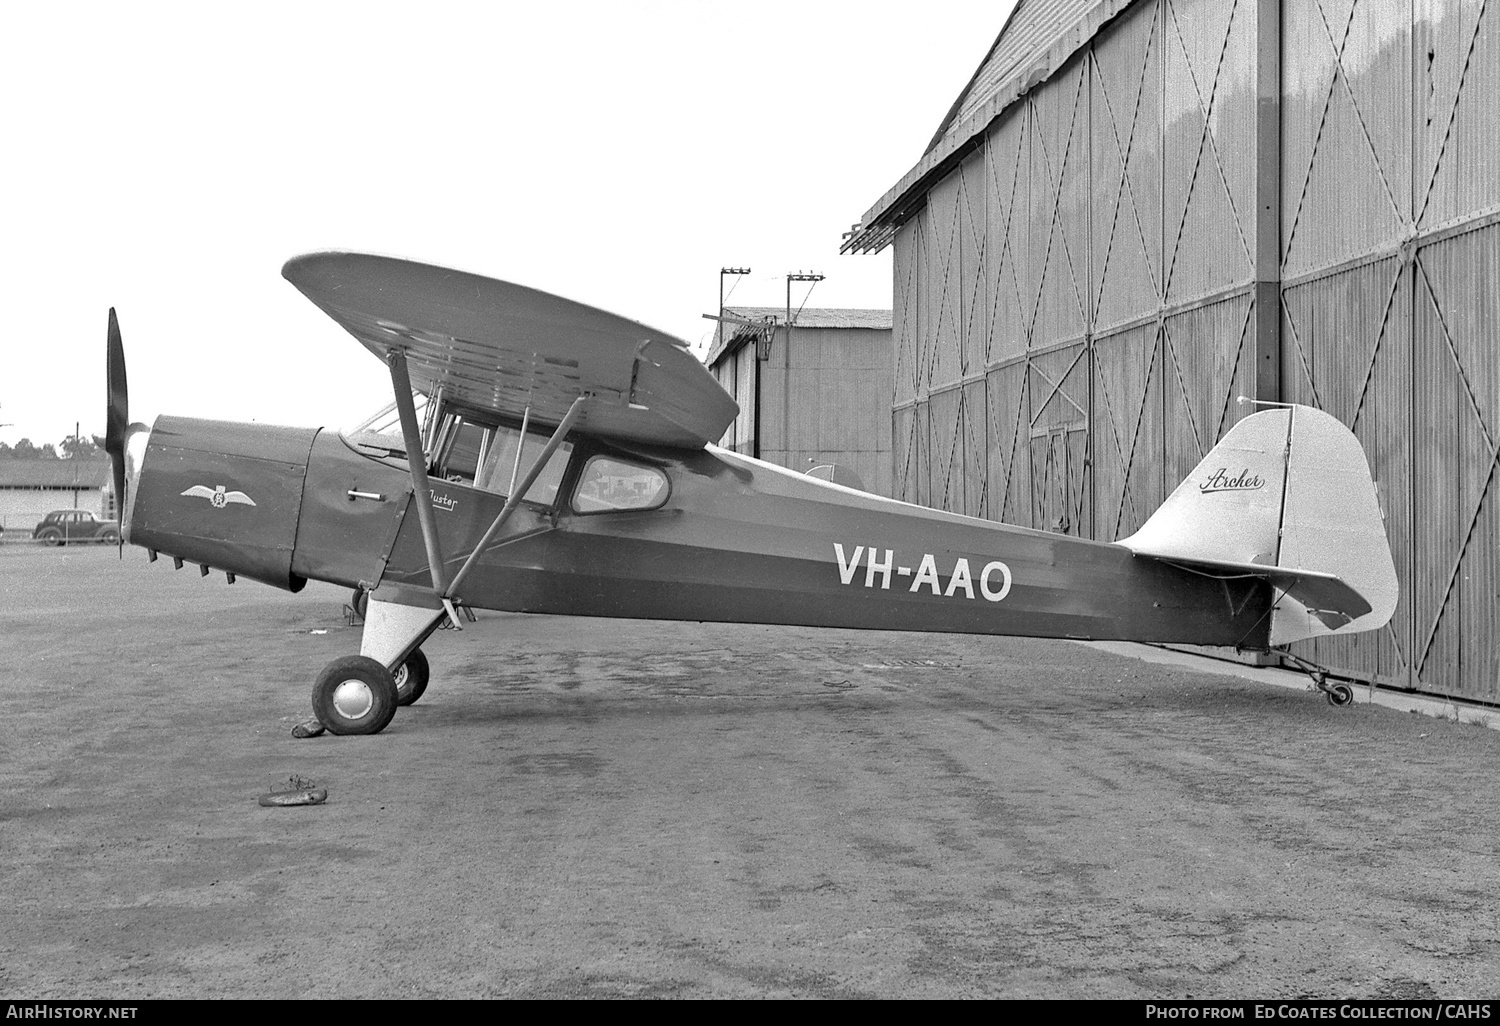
(462, 448)
(475, 454)
(607, 484)
(498, 459)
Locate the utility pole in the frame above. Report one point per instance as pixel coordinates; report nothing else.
(719, 331)
(75, 464)
(786, 361)
(799, 276)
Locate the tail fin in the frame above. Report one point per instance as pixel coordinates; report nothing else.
(1286, 495)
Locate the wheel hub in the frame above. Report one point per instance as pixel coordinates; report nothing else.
(353, 699)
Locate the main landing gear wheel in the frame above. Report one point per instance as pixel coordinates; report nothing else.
(354, 695)
(411, 678)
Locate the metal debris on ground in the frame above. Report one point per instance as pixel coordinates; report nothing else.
(308, 728)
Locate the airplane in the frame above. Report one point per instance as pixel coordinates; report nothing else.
(566, 464)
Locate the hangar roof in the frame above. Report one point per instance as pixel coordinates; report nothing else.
(808, 317)
(16, 473)
(1037, 39)
(822, 317)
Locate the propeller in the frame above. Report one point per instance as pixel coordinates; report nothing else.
(116, 417)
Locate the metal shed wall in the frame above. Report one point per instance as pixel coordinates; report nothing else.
(824, 399)
(736, 372)
(823, 396)
(1076, 302)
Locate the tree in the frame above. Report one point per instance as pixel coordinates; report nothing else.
(25, 450)
(79, 447)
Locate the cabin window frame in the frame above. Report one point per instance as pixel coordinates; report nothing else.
(579, 476)
(492, 475)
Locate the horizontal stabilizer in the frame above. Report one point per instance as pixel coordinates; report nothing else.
(1328, 598)
(1285, 496)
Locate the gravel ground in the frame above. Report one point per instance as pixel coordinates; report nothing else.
(602, 808)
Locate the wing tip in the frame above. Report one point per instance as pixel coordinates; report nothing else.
(304, 267)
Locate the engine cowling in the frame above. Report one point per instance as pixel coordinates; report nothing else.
(222, 494)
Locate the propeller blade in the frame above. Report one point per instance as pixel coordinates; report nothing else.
(116, 416)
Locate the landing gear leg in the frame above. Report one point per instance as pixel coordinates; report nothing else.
(359, 694)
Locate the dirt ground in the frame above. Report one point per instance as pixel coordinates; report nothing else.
(601, 808)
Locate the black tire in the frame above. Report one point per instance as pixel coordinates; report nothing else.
(110, 537)
(1340, 695)
(360, 602)
(51, 536)
(354, 695)
(411, 678)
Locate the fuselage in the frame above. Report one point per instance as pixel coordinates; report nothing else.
(728, 538)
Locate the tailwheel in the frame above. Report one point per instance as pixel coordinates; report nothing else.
(1338, 692)
(411, 678)
(354, 695)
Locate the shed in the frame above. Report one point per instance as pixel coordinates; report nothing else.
(30, 489)
(815, 395)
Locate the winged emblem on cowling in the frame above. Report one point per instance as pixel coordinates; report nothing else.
(218, 497)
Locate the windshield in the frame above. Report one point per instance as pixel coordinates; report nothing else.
(477, 455)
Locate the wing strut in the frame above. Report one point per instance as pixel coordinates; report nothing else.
(515, 466)
(516, 491)
(417, 461)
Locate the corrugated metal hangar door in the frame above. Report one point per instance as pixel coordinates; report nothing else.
(1075, 304)
(1391, 304)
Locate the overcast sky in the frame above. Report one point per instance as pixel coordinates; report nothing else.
(167, 159)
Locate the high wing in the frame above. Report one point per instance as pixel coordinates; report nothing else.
(499, 347)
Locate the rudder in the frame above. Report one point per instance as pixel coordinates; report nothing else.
(1286, 495)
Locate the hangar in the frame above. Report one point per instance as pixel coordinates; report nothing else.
(1137, 212)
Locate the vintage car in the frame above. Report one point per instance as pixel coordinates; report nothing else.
(75, 525)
